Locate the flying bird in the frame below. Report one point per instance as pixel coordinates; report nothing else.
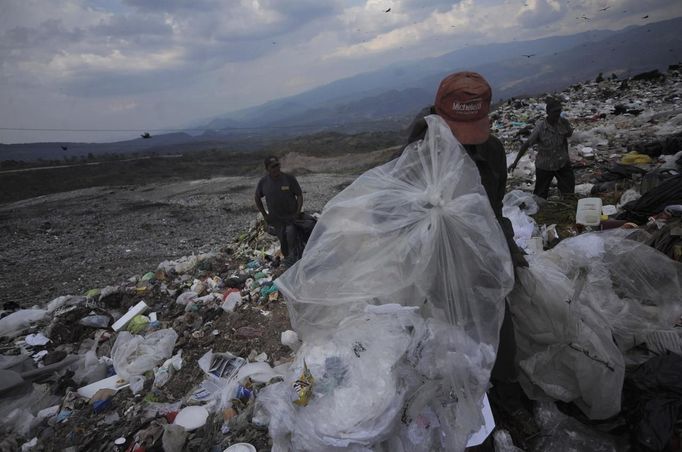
(645, 17)
(585, 17)
(604, 9)
(146, 135)
(64, 148)
(528, 56)
(388, 10)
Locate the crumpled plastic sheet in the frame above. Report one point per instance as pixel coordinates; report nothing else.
(559, 432)
(521, 199)
(134, 355)
(418, 232)
(517, 205)
(13, 324)
(581, 306)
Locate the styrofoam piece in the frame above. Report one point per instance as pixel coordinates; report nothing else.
(153, 317)
(114, 382)
(128, 316)
(588, 212)
(241, 447)
(191, 417)
(487, 427)
(609, 209)
(36, 339)
(587, 151)
(48, 412)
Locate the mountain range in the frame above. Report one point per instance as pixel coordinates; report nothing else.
(387, 99)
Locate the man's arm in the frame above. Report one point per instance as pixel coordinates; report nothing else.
(261, 208)
(299, 200)
(258, 200)
(298, 193)
(524, 147)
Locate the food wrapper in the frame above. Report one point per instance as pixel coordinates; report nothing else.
(304, 387)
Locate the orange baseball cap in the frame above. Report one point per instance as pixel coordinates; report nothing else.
(463, 101)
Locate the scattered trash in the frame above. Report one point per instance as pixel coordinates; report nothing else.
(589, 211)
(290, 339)
(36, 339)
(128, 316)
(135, 355)
(241, 447)
(191, 418)
(387, 348)
(13, 324)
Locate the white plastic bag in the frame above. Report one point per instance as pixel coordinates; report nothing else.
(582, 306)
(16, 322)
(409, 260)
(521, 199)
(134, 355)
(418, 231)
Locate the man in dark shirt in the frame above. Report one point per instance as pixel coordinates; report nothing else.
(284, 199)
(463, 101)
(551, 139)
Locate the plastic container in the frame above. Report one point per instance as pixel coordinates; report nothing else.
(240, 447)
(588, 212)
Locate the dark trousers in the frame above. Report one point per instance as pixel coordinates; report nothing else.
(564, 176)
(504, 369)
(288, 236)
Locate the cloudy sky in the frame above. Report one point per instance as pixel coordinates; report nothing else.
(154, 64)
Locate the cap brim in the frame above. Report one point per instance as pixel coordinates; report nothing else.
(470, 132)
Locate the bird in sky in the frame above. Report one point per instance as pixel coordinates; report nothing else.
(585, 17)
(388, 10)
(645, 17)
(529, 55)
(64, 148)
(146, 135)
(605, 8)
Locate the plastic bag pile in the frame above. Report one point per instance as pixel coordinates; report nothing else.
(582, 308)
(398, 300)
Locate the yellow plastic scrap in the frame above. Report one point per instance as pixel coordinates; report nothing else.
(138, 324)
(92, 293)
(304, 386)
(635, 158)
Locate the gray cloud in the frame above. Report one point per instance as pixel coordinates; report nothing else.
(132, 26)
(541, 15)
(174, 60)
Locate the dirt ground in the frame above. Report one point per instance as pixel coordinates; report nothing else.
(68, 243)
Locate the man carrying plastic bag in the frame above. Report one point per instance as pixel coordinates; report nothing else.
(398, 299)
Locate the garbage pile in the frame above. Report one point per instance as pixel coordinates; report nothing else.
(626, 150)
(383, 336)
(170, 360)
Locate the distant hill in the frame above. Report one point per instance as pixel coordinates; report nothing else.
(398, 91)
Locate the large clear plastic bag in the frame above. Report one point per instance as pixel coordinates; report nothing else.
(580, 307)
(418, 232)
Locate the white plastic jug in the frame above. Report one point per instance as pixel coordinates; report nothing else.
(588, 212)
